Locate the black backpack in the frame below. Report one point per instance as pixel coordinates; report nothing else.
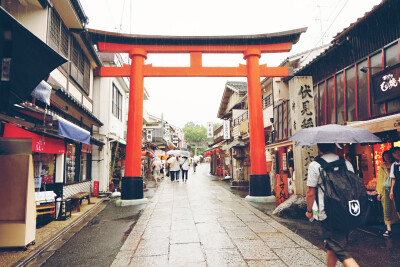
(346, 201)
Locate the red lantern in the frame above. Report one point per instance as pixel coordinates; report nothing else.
(219, 150)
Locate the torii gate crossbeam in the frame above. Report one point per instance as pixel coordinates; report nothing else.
(138, 46)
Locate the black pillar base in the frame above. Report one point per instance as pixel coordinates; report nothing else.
(260, 185)
(132, 188)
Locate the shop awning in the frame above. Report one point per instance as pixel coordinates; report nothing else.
(72, 131)
(280, 144)
(235, 143)
(383, 124)
(40, 144)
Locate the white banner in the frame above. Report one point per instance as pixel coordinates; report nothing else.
(227, 130)
(210, 130)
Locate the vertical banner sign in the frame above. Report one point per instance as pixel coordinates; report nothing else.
(166, 131)
(281, 188)
(210, 130)
(302, 113)
(227, 130)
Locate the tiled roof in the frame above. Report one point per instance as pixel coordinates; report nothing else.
(241, 87)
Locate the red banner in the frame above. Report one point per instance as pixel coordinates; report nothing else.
(40, 144)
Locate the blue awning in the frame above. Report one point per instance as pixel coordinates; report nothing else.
(72, 131)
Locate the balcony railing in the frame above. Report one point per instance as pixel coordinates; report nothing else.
(267, 101)
(241, 118)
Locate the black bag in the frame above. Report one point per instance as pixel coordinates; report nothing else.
(345, 196)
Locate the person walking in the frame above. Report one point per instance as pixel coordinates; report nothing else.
(194, 165)
(171, 163)
(335, 240)
(395, 176)
(383, 185)
(157, 165)
(185, 168)
(177, 168)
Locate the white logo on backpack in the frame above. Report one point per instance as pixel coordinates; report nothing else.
(354, 207)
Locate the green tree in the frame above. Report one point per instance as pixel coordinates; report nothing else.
(195, 136)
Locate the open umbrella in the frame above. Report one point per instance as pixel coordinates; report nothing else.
(25, 59)
(185, 154)
(333, 133)
(174, 152)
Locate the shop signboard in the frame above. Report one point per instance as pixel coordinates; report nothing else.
(281, 188)
(210, 130)
(227, 130)
(386, 84)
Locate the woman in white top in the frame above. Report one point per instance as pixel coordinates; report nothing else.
(185, 168)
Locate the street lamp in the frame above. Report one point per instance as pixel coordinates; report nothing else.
(365, 69)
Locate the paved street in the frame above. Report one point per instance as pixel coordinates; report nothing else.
(202, 224)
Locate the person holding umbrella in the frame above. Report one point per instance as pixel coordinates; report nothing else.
(327, 138)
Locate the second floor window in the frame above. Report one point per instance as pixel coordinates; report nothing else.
(60, 39)
(116, 103)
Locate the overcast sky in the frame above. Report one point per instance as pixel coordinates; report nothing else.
(197, 99)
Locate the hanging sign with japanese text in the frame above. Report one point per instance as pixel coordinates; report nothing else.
(227, 130)
(210, 130)
(386, 85)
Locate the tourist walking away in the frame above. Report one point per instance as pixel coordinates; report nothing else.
(335, 239)
(171, 163)
(395, 175)
(185, 168)
(156, 169)
(177, 168)
(383, 186)
(194, 165)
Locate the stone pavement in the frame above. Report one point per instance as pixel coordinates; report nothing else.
(199, 223)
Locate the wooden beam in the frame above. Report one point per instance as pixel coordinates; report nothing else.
(194, 71)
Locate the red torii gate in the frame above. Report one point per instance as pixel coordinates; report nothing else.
(138, 46)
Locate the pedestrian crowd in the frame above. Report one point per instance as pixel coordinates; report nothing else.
(172, 167)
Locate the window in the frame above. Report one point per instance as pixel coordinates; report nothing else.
(350, 94)
(339, 99)
(392, 58)
(330, 101)
(321, 104)
(116, 103)
(63, 42)
(70, 164)
(376, 61)
(284, 120)
(362, 92)
(83, 168)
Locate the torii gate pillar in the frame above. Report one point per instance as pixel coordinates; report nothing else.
(259, 180)
(132, 182)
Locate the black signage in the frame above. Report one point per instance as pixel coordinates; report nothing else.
(386, 84)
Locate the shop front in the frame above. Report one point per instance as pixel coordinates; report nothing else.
(46, 153)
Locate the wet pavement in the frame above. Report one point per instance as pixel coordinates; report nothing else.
(199, 223)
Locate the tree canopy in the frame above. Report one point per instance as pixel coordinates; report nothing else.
(195, 136)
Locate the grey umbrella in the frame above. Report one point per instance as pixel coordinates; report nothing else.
(333, 133)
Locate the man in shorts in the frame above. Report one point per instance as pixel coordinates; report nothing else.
(335, 240)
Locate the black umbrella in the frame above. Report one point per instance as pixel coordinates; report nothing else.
(333, 133)
(25, 60)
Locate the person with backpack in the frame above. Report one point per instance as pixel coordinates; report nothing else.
(323, 173)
